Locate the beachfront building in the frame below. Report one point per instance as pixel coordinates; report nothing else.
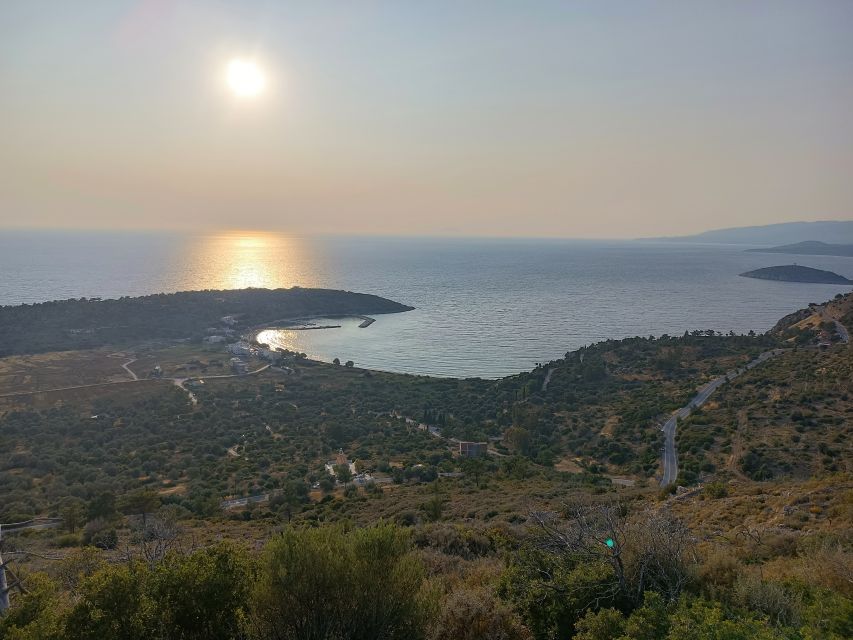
(270, 355)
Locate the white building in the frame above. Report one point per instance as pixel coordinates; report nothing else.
(339, 460)
(270, 355)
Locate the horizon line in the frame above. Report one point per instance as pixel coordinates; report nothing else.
(213, 231)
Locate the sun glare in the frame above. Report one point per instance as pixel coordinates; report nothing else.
(245, 78)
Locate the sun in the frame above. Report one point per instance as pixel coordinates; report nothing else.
(245, 78)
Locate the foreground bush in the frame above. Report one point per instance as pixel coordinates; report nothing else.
(335, 583)
(325, 583)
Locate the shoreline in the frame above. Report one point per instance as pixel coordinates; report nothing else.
(285, 324)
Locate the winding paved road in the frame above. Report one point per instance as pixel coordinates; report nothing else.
(839, 328)
(670, 455)
(547, 380)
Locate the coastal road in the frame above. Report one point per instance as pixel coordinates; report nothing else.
(670, 455)
(547, 380)
(842, 331)
(839, 328)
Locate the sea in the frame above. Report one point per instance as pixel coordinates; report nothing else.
(483, 307)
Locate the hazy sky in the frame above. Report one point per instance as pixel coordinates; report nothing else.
(584, 119)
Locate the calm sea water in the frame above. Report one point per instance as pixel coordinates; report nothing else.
(483, 307)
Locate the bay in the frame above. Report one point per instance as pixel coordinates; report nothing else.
(484, 307)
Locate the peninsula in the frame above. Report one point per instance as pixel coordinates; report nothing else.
(797, 273)
(809, 248)
(88, 323)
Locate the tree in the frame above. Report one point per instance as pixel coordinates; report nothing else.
(649, 552)
(160, 534)
(37, 613)
(343, 473)
(698, 619)
(103, 506)
(112, 604)
(336, 361)
(434, 507)
(192, 597)
(141, 501)
(649, 622)
(474, 467)
(604, 624)
(202, 596)
(99, 533)
(552, 591)
(716, 490)
(288, 501)
(72, 514)
(349, 363)
(328, 582)
(474, 614)
(518, 439)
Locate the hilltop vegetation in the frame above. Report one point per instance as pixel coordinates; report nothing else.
(554, 579)
(436, 546)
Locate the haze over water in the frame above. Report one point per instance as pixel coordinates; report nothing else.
(483, 307)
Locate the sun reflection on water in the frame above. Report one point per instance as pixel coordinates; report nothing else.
(242, 259)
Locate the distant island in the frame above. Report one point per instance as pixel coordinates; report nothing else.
(88, 323)
(796, 273)
(773, 234)
(810, 248)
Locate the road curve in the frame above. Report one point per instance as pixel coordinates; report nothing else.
(547, 380)
(126, 367)
(843, 334)
(670, 455)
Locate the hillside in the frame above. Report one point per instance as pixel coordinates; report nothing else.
(840, 231)
(810, 248)
(797, 273)
(756, 543)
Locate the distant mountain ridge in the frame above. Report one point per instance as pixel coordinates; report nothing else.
(810, 248)
(829, 231)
